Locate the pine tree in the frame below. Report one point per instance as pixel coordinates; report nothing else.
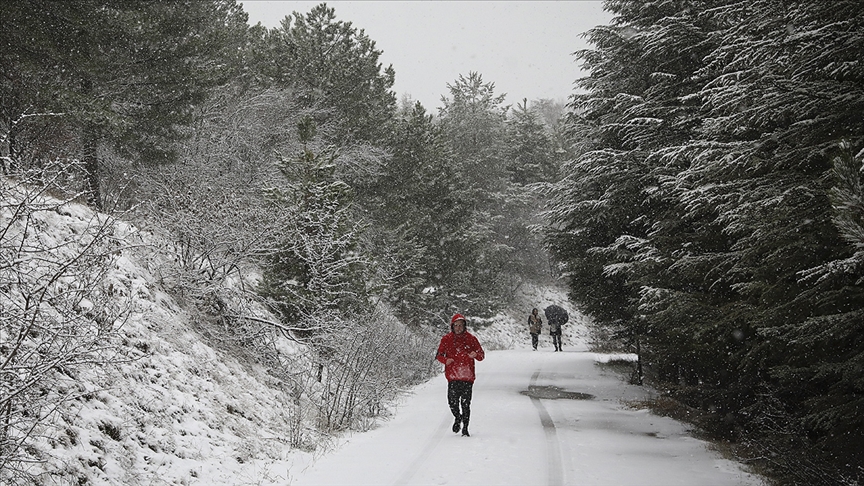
(782, 99)
(334, 67)
(124, 75)
(473, 124)
(315, 275)
(421, 200)
(703, 184)
(532, 155)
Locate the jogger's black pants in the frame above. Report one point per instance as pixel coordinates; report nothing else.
(459, 393)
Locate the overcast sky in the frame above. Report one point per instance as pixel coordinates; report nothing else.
(525, 48)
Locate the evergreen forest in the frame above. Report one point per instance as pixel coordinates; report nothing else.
(699, 193)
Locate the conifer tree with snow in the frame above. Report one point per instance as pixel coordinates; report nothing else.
(699, 204)
(316, 272)
(532, 153)
(420, 203)
(111, 78)
(473, 122)
(334, 68)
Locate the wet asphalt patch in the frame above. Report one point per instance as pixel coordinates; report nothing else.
(555, 393)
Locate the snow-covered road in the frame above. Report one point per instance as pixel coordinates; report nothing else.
(521, 434)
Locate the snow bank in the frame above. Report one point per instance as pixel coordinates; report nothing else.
(179, 411)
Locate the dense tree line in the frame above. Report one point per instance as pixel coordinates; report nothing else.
(711, 217)
(80, 79)
(710, 213)
(179, 108)
(282, 174)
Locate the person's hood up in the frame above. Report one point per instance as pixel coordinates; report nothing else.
(457, 317)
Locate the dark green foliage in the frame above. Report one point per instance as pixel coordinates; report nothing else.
(532, 156)
(700, 207)
(445, 197)
(423, 204)
(122, 75)
(334, 67)
(473, 124)
(316, 272)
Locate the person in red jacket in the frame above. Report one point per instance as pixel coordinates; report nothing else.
(458, 350)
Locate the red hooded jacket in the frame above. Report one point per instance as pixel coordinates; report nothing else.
(458, 346)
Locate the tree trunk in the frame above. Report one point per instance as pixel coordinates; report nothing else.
(91, 165)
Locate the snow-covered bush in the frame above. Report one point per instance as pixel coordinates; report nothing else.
(372, 359)
(57, 312)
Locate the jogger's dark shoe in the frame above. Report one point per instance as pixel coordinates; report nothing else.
(457, 425)
(465, 432)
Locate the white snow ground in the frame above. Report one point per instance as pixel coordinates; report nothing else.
(187, 413)
(519, 440)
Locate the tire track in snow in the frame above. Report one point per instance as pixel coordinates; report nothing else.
(554, 468)
(431, 443)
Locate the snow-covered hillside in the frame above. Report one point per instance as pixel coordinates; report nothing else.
(178, 410)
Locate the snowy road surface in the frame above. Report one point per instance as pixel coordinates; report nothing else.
(531, 438)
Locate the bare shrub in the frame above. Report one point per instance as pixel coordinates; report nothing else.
(57, 315)
(374, 358)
